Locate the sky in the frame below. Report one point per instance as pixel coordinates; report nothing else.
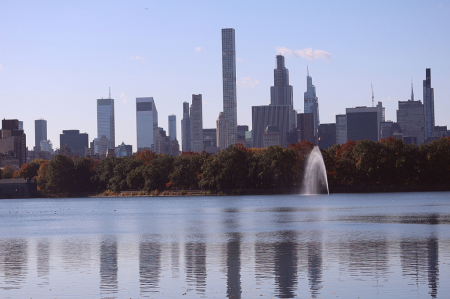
(58, 57)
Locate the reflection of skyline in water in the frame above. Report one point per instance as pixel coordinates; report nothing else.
(277, 252)
(149, 265)
(108, 266)
(13, 262)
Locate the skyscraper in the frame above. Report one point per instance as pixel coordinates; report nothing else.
(428, 104)
(196, 123)
(229, 83)
(364, 122)
(281, 93)
(311, 103)
(146, 122)
(186, 129)
(40, 132)
(221, 131)
(341, 128)
(173, 127)
(410, 117)
(105, 121)
(74, 140)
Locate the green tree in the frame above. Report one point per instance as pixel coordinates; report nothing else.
(187, 171)
(156, 173)
(60, 175)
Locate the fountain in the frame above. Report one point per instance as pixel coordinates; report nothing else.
(315, 180)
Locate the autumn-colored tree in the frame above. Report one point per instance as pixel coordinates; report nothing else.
(7, 172)
(145, 156)
(28, 170)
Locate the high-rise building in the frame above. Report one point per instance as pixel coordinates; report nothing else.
(40, 132)
(241, 133)
(221, 131)
(410, 117)
(364, 123)
(311, 103)
(305, 126)
(105, 121)
(327, 136)
(271, 136)
(281, 93)
(172, 127)
(15, 139)
(74, 140)
(146, 122)
(186, 129)
(428, 104)
(229, 83)
(196, 117)
(341, 128)
(271, 115)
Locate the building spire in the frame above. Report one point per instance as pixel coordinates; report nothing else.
(307, 71)
(412, 91)
(110, 92)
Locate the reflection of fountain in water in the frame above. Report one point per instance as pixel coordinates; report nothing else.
(315, 180)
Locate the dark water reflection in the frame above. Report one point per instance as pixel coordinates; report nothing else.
(375, 246)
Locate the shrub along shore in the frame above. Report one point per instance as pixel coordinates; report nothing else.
(364, 166)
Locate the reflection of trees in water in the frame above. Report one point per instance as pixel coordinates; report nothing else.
(234, 265)
(195, 261)
(108, 265)
(13, 262)
(149, 265)
(43, 260)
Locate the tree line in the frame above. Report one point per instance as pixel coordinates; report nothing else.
(389, 162)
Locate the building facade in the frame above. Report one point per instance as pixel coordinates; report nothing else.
(196, 117)
(146, 122)
(364, 123)
(229, 83)
(428, 104)
(16, 140)
(327, 136)
(186, 129)
(40, 133)
(75, 141)
(271, 136)
(341, 128)
(305, 127)
(105, 121)
(281, 93)
(411, 119)
(311, 104)
(221, 131)
(172, 126)
(271, 115)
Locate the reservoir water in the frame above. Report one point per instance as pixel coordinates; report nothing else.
(388, 245)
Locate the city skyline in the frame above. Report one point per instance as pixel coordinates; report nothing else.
(346, 50)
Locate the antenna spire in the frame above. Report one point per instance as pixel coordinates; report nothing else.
(372, 95)
(412, 91)
(110, 92)
(307, 71)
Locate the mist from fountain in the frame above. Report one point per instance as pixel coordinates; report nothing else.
(315, 180)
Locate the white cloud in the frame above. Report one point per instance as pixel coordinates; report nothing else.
(307, 53)
(137, 58)
(198, 49)
(123, 97)
(389, 98)
(239, 60)
(247, 82)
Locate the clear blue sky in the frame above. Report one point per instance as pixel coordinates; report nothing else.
(58, 57)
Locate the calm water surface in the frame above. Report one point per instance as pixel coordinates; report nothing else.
(392, 245)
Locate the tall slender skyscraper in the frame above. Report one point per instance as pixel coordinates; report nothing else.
(428, 104)
(40, 132)
(105, 121)
(311, 102)
(186, 129)
(146, 122)
(281, 93)
(196, 124)
(229, 83)
(172, 127)
(221, 132)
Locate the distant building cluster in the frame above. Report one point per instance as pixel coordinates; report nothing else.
(274, 124)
